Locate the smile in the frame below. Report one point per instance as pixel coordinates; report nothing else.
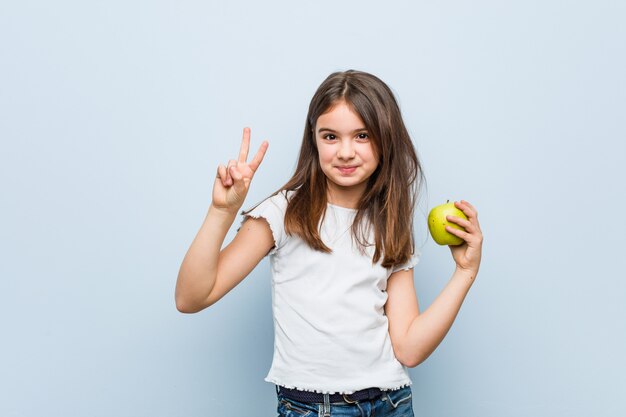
(347, 169)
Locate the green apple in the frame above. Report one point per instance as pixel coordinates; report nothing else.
(437, 224)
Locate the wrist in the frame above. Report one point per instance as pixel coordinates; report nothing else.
(223, 211)
(466, 275)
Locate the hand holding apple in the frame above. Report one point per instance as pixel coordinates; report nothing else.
(468, 255)
(438, 221)
(465, 228)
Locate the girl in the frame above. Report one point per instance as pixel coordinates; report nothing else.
(339, 236)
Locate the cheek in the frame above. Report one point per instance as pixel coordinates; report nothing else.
(368, 153)
(325, 154)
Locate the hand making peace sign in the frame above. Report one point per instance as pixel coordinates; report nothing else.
(233, 180)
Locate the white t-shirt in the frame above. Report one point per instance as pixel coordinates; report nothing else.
(330, 330)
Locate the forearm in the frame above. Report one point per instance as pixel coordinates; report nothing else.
(198, 270)
(429, 328)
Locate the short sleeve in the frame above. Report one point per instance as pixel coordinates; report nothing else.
(272, 210)
(412, 261)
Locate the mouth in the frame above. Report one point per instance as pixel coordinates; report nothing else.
(347, 169)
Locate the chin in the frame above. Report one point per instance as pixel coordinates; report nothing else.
(341, 182)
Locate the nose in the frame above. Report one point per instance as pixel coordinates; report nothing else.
(346, 150)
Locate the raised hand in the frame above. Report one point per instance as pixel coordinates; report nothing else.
(467, 255)
(233, 180)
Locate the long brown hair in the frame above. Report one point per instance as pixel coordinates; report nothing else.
(389, 199)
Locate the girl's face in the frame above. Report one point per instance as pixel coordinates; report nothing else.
(346, 153)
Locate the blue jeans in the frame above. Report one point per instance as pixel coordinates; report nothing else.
(396, 403)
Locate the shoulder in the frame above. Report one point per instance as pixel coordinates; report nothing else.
(409, 264)
(275, 203)
(272, 210)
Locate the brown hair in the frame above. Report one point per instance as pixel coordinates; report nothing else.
(389, 199)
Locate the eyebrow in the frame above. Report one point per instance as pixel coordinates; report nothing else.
(326, 129)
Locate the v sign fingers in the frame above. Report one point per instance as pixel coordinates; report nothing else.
(230, 190)
(248, 169)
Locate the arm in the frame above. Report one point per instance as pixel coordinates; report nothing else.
(415, 336)
(207, 273)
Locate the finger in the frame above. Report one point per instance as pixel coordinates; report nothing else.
(222, 174)
(466, 224)
(237, 176)
(471, 207)
(245, 145)
(258, 158)
(229, 178)
(472, 239)
(468, 204)
(465, 208)
(460, 233)
(474, 218)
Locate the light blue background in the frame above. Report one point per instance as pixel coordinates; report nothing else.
(114, 116)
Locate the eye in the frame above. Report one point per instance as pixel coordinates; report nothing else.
(330, 136)
(363, 136)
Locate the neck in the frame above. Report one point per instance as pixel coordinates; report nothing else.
(345, 197)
